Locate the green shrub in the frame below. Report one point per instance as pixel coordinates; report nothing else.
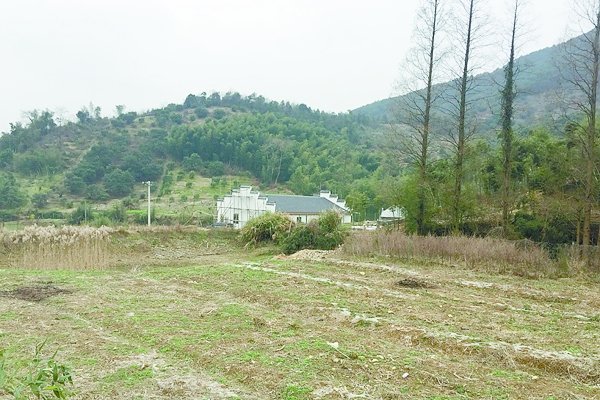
(141, 216)
(83, 213)
(302, 237)
(201, 112)
(323, 234)
(102, 220)
(117, 213)
(205, 219)
(266, 228)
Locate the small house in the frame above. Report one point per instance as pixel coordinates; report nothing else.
(244, 204)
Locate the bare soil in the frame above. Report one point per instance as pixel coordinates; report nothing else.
(189, 323)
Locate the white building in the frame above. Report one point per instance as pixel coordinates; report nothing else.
(244, 204)
(392, 214)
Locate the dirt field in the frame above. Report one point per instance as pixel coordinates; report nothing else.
(308, 326)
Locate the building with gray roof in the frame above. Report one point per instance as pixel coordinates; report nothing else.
(244, 204)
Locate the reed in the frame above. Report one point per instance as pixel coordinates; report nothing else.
(52, 248)
(487, 254)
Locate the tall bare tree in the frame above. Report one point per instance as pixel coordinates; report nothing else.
(414, 110)
(472, 33)
(580, 70)
(507, 98)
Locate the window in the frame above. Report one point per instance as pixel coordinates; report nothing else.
(298, 219)
(236, 218)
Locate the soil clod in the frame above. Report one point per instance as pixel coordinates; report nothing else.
(415, 284)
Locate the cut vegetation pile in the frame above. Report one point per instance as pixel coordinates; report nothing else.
(313, 325)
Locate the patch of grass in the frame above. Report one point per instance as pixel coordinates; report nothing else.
(9, 315)
(133, 375)
(512, 375)
(294, 392)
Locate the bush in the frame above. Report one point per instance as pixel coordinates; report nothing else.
(40, 200)
(266, 228)
(302, 237)
(205, 219)
(201, 112)
(219, 114)
(323, 234)
(141, 216)
(117, 213)
(83, 213)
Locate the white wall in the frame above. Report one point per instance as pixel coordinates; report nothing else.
(244, 202)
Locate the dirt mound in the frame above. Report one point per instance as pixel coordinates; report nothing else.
(309, 255)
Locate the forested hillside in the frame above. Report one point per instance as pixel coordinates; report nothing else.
(277, 146)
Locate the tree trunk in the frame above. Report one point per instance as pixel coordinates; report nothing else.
(462, 113)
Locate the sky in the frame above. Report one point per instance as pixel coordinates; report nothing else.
(332, 55)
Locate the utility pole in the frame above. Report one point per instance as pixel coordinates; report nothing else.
(149, 183)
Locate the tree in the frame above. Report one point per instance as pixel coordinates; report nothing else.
(414, 110)
(507, 98)
(142, 166)
(580, 69)
(118, 183)
(470, 29)
(193, 162)
(11, 195)
(39, 200)
(83, 115)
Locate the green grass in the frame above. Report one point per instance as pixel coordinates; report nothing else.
(130, 376)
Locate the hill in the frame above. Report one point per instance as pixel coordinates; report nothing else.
(536, 103)
(192, 152)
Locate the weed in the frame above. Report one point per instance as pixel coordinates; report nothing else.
(40, 377)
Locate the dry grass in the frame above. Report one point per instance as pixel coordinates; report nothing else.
(48, 248)
(486, 254)
(88, 248)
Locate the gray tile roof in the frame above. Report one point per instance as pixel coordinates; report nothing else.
(301, 204)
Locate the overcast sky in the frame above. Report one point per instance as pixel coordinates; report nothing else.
(332, 55)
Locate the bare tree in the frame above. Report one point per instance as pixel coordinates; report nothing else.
(413, 112)
(472, 32)
(579, 70)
